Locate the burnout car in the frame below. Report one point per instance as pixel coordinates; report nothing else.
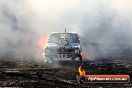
(62, 46)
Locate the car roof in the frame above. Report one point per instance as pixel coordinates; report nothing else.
(63, 33)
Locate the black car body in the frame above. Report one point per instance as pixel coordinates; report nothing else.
(62, 46)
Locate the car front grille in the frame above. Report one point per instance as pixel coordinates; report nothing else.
(62, 50)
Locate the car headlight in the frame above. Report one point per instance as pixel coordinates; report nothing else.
(76, 50)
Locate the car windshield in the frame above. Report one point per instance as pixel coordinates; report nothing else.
(66, 37)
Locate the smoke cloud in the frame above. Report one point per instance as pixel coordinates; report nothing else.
(104, 26)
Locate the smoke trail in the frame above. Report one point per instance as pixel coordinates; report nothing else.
(104, 27)
(17, 40)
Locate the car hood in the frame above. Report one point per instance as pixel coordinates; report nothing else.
(70, 45)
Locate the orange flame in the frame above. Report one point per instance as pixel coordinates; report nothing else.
(81, 71)
(42, 44)
(43, 41)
